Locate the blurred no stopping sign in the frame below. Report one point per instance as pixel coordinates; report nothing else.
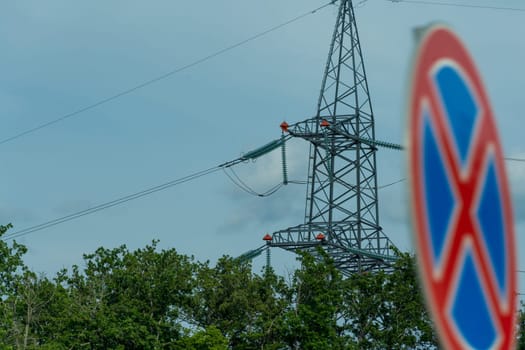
(461, 209)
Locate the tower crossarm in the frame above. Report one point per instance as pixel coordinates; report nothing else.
(308, 238)
(311, 130)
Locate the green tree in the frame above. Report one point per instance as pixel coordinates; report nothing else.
(520, 331)
(385, 310)
(126, 300)
(158, 299)
(311, 321)
(245, 307)
(272, 295)
(11, 270)
(208, 339)
(34, 308)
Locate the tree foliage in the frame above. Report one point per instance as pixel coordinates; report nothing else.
(385, 310)
(316, 301)
(159, 299)
(520, 332)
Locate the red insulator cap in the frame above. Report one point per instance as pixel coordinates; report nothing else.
(320, 237)
(284, 126)
(267, 237)
(325, 123)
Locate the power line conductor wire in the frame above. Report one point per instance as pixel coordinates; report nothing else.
(111, 203)
(161, 77)
(455, 4)
(237, 181)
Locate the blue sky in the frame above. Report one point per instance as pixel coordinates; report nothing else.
(59, 56)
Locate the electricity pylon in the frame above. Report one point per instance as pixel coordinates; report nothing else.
(341, 212)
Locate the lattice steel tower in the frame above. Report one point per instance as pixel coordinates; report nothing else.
(341, 203)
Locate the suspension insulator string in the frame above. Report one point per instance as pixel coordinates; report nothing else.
(283, 156)
(268, 258)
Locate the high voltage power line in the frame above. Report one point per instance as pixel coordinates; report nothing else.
(164, 186)
(252, 155)
(512, 159)
(163, 76)
(227, 166)
(440, 3)
(224, 166)
(111, 203)
(404, 179)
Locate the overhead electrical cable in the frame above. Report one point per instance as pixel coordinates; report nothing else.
(360, 4)
(252, 155)
(163, 76)
(237, 181)
(514, 159)
(404, 179)
(298, 182)
(454, 4)
(399, 147)
(391, 184)
(111, 203)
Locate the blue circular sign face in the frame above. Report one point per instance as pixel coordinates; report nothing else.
(461, 208)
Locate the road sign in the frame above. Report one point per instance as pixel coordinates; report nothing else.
(461, 209)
